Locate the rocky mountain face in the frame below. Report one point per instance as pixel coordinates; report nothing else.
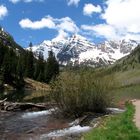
(78, 50)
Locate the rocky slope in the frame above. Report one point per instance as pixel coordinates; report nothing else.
(8, 40)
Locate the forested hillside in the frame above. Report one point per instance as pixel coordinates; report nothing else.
(16, 63)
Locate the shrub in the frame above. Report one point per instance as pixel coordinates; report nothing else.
(76, 94)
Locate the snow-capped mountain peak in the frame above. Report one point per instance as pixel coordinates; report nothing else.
(77, 49)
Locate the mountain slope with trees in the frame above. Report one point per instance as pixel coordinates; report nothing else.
(17, 63)
(129, 62)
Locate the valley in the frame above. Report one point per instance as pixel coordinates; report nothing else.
(79, 78)
(69, 70)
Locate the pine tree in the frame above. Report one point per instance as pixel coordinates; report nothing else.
(19, 74)
(3, 51)
(52, 67)
(1, 79)
(13, 61)
(40, 77)
(39, 68)
(30, 63)
(7, 68)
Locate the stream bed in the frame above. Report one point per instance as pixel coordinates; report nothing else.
(39, 125)
(42, 125)
(36, 126)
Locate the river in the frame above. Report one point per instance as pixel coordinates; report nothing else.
(39, 125)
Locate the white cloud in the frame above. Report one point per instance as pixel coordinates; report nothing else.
(65, 26)
(43, 23)
(101, 30)
(89, 9)
(123, 14)
(61, 35)
(26, 1)
(73, 2)
(122, 20)
(3, 11)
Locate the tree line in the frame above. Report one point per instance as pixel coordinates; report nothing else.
(16, 65)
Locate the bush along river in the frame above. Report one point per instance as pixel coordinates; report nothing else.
(29, 121)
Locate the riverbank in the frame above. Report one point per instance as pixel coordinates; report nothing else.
(30, 84)
(116, 127)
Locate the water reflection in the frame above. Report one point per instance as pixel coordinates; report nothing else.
(24, 96)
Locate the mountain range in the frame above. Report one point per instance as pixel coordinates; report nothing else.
(78, 50)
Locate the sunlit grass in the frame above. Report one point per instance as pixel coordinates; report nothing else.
(37, 96)
(118, 127)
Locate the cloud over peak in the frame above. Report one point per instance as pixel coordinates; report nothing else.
(64, 26)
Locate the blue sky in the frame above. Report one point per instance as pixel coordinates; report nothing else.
(98, 20)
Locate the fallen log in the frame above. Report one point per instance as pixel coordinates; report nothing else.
(9, 106)
(2, 104)
(26, 106)
(2, 101)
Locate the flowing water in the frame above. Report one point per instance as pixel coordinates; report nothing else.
(35, 126)
(41, 125)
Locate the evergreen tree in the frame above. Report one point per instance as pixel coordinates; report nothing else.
(15, 65)
(20, 73)
(1, 79)
(3, 51)
(7, 68)
(52, 67)
(40, 77)
(39, 68)
(30, 44)
(13, 61)
(30, 63)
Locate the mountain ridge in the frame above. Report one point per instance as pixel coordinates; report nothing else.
(8, 40)
(78, 50)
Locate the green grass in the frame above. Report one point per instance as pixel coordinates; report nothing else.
(128, 77)
(126, 93)
(127, 85)
(118, 127)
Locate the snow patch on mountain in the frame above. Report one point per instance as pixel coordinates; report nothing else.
(77, 49)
